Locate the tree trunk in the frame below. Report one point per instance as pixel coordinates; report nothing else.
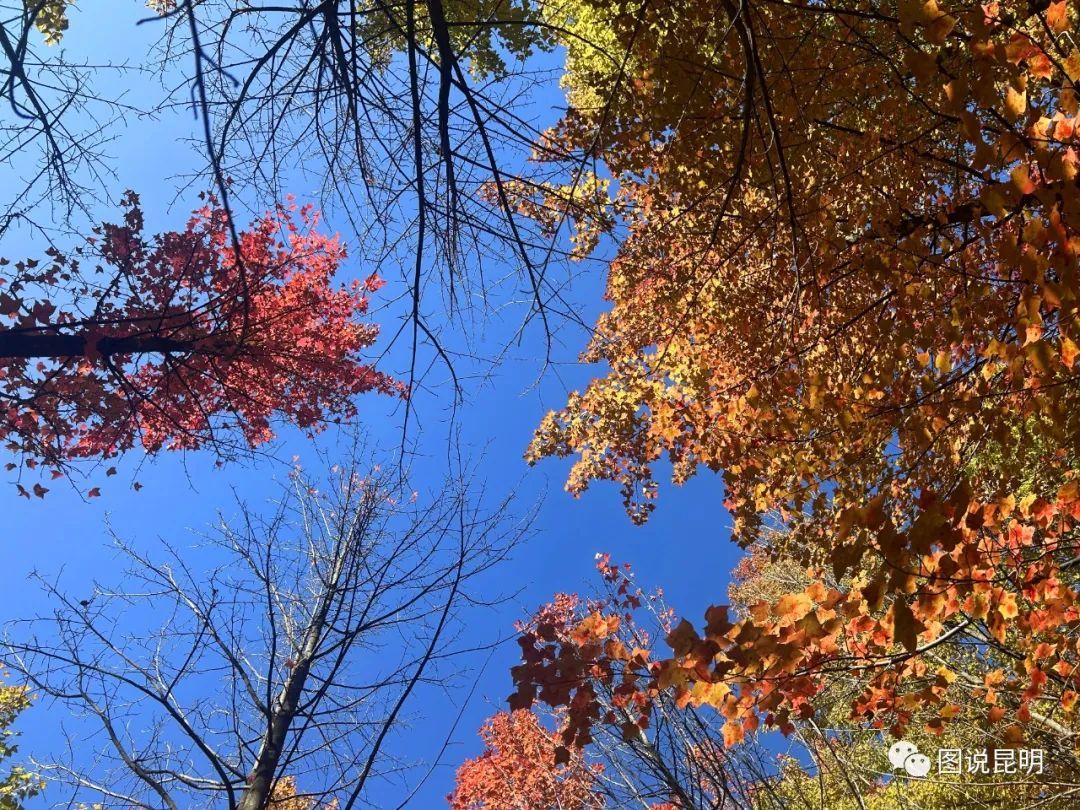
(261, 781)
(18, 343)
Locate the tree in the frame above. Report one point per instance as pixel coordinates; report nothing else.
(178, 341)
(293, 656)
(844, 764)
(283, 796)
(18, 784)
(400, 113)
(847, 295)
(691, 750)
(53, 139)
(976, 679)
(519, 769)
(653, 748)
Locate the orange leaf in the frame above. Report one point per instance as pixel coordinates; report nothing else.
(733, 733)
(1057, 16)
(1069, 351)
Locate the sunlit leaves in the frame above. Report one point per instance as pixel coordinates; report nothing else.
(523, 765)
(485, 33)
(858, 300)
(50, 18)
(17, 784)
(170, 343)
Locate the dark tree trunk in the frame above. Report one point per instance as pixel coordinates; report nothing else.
(22, 344)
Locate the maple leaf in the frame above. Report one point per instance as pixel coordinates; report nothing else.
(1057, 16)
(683, 638)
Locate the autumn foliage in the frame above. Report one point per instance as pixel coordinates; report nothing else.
(808, 276)
(846, 277)
(691, 736)
(519, 769)
(842, 274)
(285, 797)
(770, 664)
(180, 340)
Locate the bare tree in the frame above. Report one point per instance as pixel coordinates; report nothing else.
(680, 759)
(54, 125)
(293, 655)
(412, 120)
(408, 119)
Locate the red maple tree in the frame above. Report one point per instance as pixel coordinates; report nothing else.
(180, 340)
(519, 769)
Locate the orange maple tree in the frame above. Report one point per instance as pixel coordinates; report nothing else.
(178, 340)
(846, 277)
(522, 767)
(602, 656)
(596, 662)
(592, 656)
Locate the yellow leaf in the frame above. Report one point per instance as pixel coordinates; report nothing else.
(1021, 180)
(950, 711)
(670, 675)
(795, 605)
(733, 733)
(709, 694)
(1072, 66)
(1069, 351)
(939, 30)
(979, 607)
(1007, 607)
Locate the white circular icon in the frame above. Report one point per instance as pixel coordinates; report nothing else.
(917, 765)
(900, 751)
(903, 754)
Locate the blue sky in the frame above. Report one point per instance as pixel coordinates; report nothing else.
(685, 547)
